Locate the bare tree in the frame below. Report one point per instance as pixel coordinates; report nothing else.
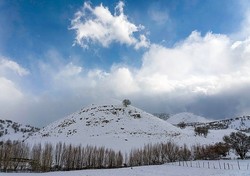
(47, 157)
(36, 157)
(118, 159)
(184, 153)
(20, 154)
(238, 141)
(7, 154)
(58, 155)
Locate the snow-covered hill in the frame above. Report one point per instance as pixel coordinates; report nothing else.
(15, 131)
(114, 126)
(238, 123)
(118, 127)
(186, 118)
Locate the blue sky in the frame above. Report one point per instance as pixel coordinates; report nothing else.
(165, 55)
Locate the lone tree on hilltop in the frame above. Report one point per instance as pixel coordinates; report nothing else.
(238, 141)
(126, 102)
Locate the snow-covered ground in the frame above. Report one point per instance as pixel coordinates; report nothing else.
(199, 168)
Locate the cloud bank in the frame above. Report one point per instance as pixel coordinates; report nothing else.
(207, 75)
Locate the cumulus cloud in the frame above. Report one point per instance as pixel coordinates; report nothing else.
(99, 25)
(198, 63)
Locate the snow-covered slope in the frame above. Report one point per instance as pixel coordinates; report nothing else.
(118, 127)
(186, 118)
(15, 131)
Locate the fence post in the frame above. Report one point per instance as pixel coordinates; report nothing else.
(238, 164)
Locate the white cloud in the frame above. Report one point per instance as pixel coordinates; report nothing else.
(200, 64)
(69, 71)
(99, 25)
(143, 43)
(9, 92)
(121, 82)
(7, 64)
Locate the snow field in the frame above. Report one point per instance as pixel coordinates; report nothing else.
(170, 169)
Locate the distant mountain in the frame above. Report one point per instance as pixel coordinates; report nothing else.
(15, 131)
(187, 118)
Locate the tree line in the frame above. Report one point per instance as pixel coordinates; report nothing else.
(153, 154)
(19, 156)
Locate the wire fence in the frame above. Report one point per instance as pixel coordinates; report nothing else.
(218, 164)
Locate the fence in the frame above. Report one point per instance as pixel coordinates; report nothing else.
(216, 164)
